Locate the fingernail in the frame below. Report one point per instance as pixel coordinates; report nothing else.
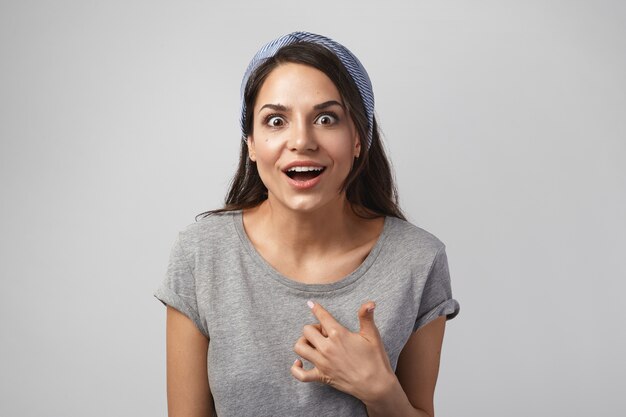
(310, 304)
(370, 309)
(296, 361)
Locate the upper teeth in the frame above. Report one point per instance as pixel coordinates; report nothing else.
(303, 169)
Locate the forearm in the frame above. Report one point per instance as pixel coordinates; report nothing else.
(392, 402)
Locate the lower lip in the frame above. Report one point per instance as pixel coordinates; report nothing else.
(304, 185)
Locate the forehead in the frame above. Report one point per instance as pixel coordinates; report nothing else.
(292, 83)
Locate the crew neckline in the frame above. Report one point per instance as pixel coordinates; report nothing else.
(273, 273)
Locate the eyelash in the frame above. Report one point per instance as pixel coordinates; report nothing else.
(329, 113)
(267, 118)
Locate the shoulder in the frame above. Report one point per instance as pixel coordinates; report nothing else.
(410, 237)
(216, 227)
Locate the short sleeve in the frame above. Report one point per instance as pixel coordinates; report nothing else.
(436, 297)
(178, 289)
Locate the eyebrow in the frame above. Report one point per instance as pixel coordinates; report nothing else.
(280, 107)
(327, 104)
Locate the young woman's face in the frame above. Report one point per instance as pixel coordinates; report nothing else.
(300, 124)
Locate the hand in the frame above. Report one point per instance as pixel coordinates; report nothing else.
(355, 363)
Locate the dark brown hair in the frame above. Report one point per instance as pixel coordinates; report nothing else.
(369, 186)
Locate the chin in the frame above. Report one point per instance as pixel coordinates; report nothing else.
(305, 207)
(304, 204)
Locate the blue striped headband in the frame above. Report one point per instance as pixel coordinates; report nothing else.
(349, 61)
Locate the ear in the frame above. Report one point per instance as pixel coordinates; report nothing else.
(357, 146)
(251, 149)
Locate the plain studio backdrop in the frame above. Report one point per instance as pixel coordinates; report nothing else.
(505, 123)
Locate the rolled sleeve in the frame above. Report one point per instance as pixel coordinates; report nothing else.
(178, 288)
(436, 299)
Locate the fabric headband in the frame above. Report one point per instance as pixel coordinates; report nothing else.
(351, 62)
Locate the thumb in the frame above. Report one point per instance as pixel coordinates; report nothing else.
(366, 319)
(303, 375)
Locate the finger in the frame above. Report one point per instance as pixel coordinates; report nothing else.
(306, 351)
(320, 328)
(366, 320)
(327, 321)
(303, 375)
(313, 334)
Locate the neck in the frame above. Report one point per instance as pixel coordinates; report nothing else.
(309, 234)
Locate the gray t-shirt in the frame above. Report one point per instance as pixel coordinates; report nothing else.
(253, 315)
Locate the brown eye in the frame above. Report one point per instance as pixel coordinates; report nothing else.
(275, 121)
(326, 119)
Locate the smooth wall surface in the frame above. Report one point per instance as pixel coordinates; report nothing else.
(505, 122)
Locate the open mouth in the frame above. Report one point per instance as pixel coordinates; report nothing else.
(304, 173)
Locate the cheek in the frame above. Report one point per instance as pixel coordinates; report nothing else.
(267, 150)
(267, 156)
(342, 153)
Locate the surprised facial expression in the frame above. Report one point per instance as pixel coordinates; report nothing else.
(303, 139)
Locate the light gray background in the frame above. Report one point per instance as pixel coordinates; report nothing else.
(504, 121)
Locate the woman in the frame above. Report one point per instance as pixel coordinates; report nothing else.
(310, 243)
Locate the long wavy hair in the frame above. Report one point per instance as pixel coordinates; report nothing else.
(369, 186)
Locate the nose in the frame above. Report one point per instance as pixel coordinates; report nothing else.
(301, 136)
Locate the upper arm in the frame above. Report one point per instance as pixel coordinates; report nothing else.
(418, 364)
(188, 392)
